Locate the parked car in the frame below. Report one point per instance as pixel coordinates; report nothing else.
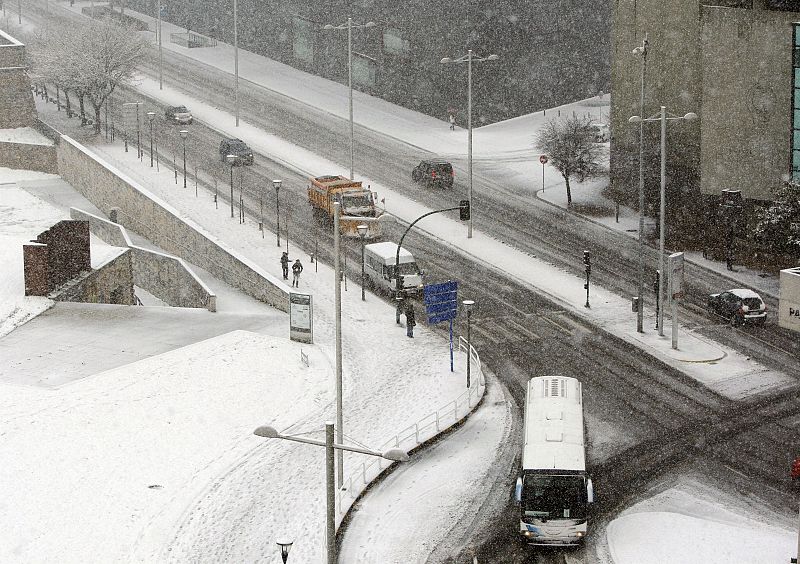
(434, 172)
(178, 114)
(740, 306)
(237, 148)
(601, 132)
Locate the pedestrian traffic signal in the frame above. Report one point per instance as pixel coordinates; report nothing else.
(463, 211)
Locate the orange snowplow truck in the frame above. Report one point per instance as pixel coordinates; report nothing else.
(357, 205)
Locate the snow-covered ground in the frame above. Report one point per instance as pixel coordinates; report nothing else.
(182, 422)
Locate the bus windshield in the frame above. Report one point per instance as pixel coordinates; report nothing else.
(550, 497)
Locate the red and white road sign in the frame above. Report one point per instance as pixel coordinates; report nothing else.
(543, 159)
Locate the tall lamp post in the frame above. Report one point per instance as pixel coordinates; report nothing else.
(469, 58)
(362, 233)
(151, 116)
(468, 307)
(394, 454)
(236, 58)
(160, 50)
(641, 52)
(285, 546)
(663, 118)
(349, 27)
(184, 134)
(231, 160)
(277, 185)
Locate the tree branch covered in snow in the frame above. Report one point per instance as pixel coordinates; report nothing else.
(778, 226)
(569, 144)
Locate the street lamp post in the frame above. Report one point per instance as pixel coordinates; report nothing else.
(641, 51)
(394, 454)
(468, 306)
(277, 185)
(231, 159)
(469, 58)
(337, 272)
(184, 134)
(285, 546)
(349, 27)
(160, 50)
(151, 116)
(236, 58)
(663, 118)
(362, 232)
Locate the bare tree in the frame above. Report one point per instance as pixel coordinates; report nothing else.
(90, 60)
(569, 143)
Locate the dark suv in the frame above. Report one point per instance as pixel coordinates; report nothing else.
(740, 306)
(434, 172)
(178, 114)
(237, 148)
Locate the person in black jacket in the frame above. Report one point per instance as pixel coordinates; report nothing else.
(285, 265)
(297, 268)
(410, 320)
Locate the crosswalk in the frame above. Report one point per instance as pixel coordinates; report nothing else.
(516, 329)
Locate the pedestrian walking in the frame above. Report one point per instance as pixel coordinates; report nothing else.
(452, 122)
(410, 320)
(297, 268)
(285, 265)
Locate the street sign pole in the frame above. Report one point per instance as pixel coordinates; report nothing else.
(543, 159)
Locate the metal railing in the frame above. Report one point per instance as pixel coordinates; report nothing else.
(414, 435)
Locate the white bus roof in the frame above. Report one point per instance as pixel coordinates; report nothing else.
(553, 435)
(388, 250)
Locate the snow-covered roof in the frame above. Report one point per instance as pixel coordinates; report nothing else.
(744, 293)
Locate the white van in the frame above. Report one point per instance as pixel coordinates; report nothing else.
(379, 267)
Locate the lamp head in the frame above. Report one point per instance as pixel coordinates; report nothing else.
(276, 183)
(634, 119)
(396, 454)
(370, 24)
(151, 115)
(184, 134)
(492, 57)
(638, 51)
(468, 303)
(327, 26)
(691, 116)
(230, 158)
(362, 229)
(267, 431)
(446, 60)
(285, 546)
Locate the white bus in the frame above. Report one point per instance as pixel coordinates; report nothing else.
(553, 491)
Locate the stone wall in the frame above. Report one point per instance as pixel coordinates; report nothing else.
(138, 210)
(111, 283)
(28, 156)
(65, 255)
(17, 108)
(165, 276)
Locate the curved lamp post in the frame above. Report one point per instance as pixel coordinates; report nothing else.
(277, 185)
(362, 233)
(151, 116)
(231, 160)
(469, 58)
(349, 26)
(394, 454)
(468, 307)
(184, 134)
(663, 118)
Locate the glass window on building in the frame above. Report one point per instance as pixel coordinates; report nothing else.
(796, 104)
(364, 70)
(303, 40)
(394, 44)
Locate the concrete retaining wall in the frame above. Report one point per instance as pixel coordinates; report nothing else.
(165, 276)
(107, 188)
(17, 108)
(111, 283)
(27, 156)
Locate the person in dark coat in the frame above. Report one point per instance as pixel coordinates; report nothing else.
(297, 268)
(285, 265)
(410, 320)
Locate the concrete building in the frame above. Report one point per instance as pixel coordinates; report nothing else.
(732, 64)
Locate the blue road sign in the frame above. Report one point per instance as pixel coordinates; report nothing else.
(441, 301)
(439, 317)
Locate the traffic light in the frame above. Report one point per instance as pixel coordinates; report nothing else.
(463, 211)
(586, 259)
